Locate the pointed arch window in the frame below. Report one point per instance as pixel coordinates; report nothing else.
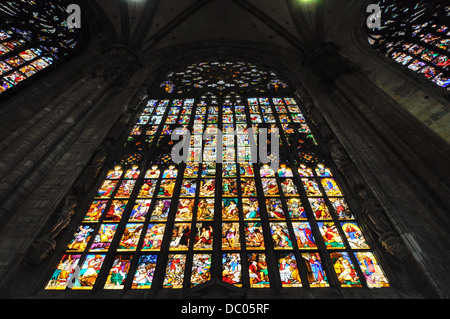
(416, 34)
(152, 223)
(33, 37)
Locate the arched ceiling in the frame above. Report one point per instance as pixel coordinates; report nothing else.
(150, 25)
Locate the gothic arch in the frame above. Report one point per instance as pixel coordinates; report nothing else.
(371, 215)
(104, 88)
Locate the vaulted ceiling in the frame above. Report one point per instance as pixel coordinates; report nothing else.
(149, 25)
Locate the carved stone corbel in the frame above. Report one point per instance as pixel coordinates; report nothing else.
(45, 245)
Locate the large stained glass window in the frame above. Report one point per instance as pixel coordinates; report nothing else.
(156, 223)
(33, 37)
(416, 34)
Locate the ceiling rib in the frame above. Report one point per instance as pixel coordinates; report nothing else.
(174, 23)
(144, 24)
(125, 22)
(271, 23)
(104, 18)
(305, 30)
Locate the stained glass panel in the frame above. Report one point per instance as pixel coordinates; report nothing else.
(422, 47)
(168, 224)
(33, 37)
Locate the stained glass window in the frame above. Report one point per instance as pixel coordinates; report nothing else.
(33, 37)
(153, 222)
(416, 34)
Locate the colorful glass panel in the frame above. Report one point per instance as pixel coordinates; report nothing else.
(149, 213)
(422, 47)
(33, 36)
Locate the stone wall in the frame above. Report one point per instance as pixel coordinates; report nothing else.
(42, 164)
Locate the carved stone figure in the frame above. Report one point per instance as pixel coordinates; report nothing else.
(45, 245)
(90, 173)
(379, 223)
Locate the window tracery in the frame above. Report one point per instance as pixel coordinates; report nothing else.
(416, 35)
(33, 37)
(153, 223)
